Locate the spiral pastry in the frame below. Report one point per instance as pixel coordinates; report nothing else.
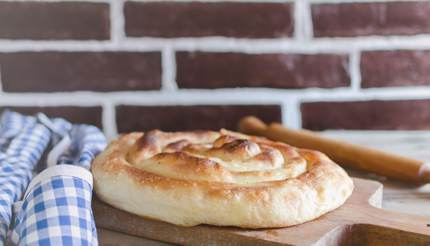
(219, 178)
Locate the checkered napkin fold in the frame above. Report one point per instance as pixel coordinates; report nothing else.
(56, 206)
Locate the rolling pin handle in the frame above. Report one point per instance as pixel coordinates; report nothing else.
(252, 125)
(346, 154)
(424, 172)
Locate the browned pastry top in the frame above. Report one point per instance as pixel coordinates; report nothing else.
(221, 178)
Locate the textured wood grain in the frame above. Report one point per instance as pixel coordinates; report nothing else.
(397, 196)
(355, 220)
(415, 144)
(113, 238)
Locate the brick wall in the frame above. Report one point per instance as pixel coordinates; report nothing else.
(137, 65)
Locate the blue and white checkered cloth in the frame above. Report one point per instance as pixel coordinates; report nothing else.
(56, 209)
(22, 142)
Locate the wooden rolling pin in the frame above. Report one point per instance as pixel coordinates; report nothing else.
(345, 154)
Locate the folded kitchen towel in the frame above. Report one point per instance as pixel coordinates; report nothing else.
(56, 207)
(22, 141)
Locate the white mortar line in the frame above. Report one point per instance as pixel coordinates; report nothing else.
(287, 44)
(117, 21)
(284, 112)
(250, 1)
(354, 70)
(30, 45)
(291, 116)
(89, 1)
(168, 69)
(297, 18)
(289, 100)
(302, 20)
(246, 1)
(1, 83)
(415, 93)
(359, 1)
(208, 97)
(332, 45)
(109, 120)
(85, 99)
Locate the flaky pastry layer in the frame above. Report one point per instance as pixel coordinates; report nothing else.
(219, 178)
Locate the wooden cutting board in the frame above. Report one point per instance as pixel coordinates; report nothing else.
(358, 222)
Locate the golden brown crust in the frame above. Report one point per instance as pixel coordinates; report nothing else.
(220, 178)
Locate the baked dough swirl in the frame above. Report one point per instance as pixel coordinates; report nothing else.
(219, 178)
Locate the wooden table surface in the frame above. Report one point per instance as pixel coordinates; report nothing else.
(397, 196)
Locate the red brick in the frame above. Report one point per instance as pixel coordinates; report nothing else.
(76, 71)
(54, 20)
(361, 19)
(395, 68)
(75, 114)
(226, 70)
(367, 115)
(174, 118)
(200, 19)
